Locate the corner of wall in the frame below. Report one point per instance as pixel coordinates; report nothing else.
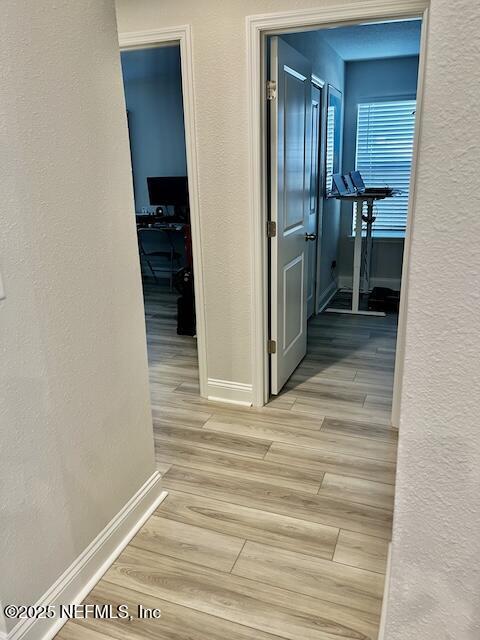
(82, 575)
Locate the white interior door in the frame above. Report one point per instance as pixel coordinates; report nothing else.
(313, 202)
(290, 157)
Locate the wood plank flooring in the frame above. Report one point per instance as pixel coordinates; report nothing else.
(278, 518)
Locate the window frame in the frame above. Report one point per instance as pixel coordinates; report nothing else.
(383, 233)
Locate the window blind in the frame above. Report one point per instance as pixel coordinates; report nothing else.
(385, 133)
(329, 148)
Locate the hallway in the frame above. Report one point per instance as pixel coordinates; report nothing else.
(119, 484)
(278, 519)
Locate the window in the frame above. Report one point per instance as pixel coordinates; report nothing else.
(385, 132)
(334, 125)
(329, 150)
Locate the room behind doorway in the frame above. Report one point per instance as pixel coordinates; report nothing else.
(370, 75)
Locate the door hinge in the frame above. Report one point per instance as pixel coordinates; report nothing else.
(271, 89)
(271, 346)
(271, 229)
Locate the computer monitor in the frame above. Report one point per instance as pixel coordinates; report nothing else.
(339, 186)
(171, 190)
(342, 185)
(357, 180)
(349, 184)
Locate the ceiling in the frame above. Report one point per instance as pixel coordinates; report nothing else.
(370, 41)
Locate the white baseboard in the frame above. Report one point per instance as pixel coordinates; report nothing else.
(82, 575)
(345, 282)
(383, 615)
(3, 626)
(327, 296)
(229, 391)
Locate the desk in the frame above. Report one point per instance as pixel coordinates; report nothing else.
(144, 223)
(148, 225)
(358, 285)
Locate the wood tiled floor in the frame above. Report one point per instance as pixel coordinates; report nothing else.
(278, 519)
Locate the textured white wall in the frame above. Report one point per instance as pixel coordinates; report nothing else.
(219, 50)
(435, 588)
(76, 435)
(436, 571)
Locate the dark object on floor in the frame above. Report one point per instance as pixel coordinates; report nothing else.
(384, 299)
(186, 324)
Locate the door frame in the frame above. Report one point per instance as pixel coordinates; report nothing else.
(258, 28)
(182, 35)
(321, 85)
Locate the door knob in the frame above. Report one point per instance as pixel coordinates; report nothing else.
(310, 236)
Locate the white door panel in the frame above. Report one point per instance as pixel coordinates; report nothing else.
(294, 151)
(293, 302)
(290, 149)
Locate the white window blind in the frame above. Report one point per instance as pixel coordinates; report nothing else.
(385, 132)
(329, 148)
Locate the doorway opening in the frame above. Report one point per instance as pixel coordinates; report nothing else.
(158, 88)
(340, 365)
(153, 93)
(340, 127)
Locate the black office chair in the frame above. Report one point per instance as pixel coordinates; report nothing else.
(158, 244)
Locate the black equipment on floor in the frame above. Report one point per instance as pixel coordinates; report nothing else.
(384, 299)
(186, 322)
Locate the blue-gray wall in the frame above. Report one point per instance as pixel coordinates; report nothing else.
(365, 81)
(330, 67)
(153, 93)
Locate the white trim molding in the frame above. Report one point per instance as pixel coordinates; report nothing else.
(383, 614)
(229, 391)
(327, 296)
(182, 35)
(83, 574)
(3, 628)
(258, 27)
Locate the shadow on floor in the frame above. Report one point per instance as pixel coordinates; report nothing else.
(348, 369)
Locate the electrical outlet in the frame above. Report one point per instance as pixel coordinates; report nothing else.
(334, 264)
